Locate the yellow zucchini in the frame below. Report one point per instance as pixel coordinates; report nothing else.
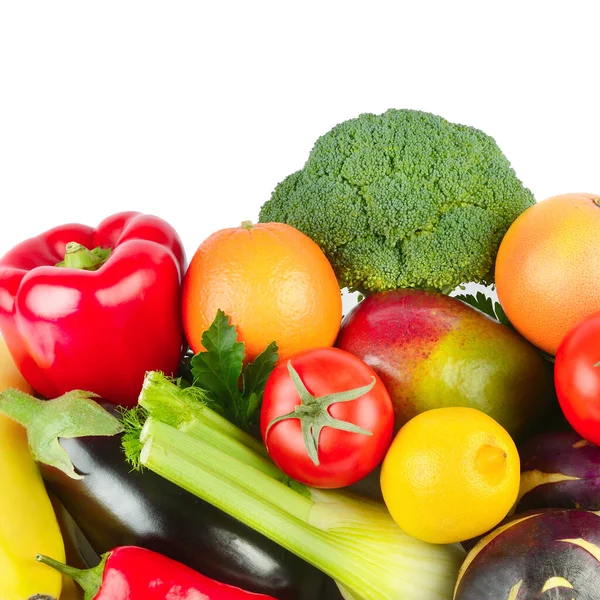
(28, 525)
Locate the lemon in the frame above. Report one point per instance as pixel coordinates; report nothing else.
(450, 474)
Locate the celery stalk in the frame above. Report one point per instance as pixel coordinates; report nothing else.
(353, 540)
(256, 475)
(186, 410)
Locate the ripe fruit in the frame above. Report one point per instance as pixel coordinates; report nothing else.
(274, 283)
(431, 351)
(28, 524)
(577, 377)
(451, 474)
(344, 406)
(547, 269)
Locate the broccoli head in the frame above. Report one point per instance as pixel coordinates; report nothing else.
(403, 199)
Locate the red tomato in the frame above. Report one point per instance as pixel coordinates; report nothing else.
(344, 457)
(577, 377)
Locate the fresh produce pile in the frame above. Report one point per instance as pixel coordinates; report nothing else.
(219, 430)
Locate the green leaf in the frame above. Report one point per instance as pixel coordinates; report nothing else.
(75, 414)
(302, 489)
(217, 370)
(232, 390)
(253, 404)
(182, 383)
(255, 377)
(486, 305)
(133, 420)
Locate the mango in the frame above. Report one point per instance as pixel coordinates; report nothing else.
(433, 351)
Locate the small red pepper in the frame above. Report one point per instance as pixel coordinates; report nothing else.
(94, 309)
(132, 573)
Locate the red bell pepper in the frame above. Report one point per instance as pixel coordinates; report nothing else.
(94, 309)
(132, 573)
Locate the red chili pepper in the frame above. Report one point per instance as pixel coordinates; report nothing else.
(100, 323)
(132, 573)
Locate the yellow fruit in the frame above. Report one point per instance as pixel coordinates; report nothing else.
(28, 525)
(450, 474)
(10, 377)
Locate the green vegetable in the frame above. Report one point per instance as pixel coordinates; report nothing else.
(352, 539)
(403, 199)
(229, 388)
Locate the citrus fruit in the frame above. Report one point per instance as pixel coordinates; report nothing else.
(547, 271)
(274, 283)
(450, 474)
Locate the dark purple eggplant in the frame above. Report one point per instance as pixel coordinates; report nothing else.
(559, 470)
(551, 554)
(114, 506)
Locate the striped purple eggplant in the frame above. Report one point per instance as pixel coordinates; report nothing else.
(546, 554)
(559, 470)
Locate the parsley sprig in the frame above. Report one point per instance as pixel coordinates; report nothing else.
(232, 389)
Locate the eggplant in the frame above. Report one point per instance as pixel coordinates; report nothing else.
(115, 506)
(546, 554)
(559, 470)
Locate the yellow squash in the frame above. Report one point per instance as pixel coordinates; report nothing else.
(28, 525)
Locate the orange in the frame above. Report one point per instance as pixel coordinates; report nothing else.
(450, 474)
(274, 283)
(547, 268)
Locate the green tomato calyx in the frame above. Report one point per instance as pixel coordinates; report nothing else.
(313, 413)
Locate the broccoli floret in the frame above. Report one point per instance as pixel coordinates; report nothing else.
(403, 199)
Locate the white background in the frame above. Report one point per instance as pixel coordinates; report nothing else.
(194, 111)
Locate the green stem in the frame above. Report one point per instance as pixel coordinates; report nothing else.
(78, 256)
(186, 410)
(200, 431)
(234, 461)
(17, 405)
(89, 580)
(266, 511)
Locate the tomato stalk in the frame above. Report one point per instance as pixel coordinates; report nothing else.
(313, 413)
(353, 540)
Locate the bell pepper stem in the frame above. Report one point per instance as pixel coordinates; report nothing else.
(89, 580)
(78, 256)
